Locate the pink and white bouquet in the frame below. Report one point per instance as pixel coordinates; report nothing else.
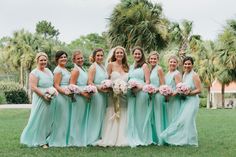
(51, 92)
(182, 88)
(133, 84)
(90, 89)
(150, 89)
(119, 86)
(106, 84)
(165, 90)
(72, 89)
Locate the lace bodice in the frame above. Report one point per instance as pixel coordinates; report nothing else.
(116, 75)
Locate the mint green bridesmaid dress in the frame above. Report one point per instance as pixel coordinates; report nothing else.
(96, 108)
(78, 130)
(60, 136)
(41, 116)
(182, 131)
(173, 104)
(139, 112)
(158, 110)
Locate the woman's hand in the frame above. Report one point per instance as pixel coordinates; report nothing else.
(46, 98)
(85, 94)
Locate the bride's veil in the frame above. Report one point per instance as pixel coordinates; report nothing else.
(108, 59)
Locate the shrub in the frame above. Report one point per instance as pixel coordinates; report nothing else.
(13, 92)
(203, 102)
(2, 98)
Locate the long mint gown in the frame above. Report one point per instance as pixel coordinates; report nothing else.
(96, 108)
(182, 131)
(79, 112)
(61, 124)
(173, 104)
(41, 116)
(139, 112)
(158, 108)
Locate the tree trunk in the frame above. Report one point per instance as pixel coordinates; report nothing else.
(223, 95)
(209, 102)
(21, 76)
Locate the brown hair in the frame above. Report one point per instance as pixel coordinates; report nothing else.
(173, 57)
(93, 55)
(59, 54)
(125, 65)
(142, 60)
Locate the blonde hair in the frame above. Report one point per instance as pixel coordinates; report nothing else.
(77, 52)
(39, 54)
(153, 53)
(173, 57)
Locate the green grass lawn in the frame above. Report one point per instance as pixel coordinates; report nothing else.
(216, 130)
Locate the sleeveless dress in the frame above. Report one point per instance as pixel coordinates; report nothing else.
(173, 104)
(41, 117)
(79, 112)
(158, 108)
(96, 108)
(61, 127)
(182, 131)
(139, 110)
(115, 129)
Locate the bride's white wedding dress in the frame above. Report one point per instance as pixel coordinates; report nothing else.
(114, 132)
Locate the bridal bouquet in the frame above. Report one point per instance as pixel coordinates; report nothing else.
(182, 88)
(51, 92)
(165, 90)
(119, 86)
(90, 89)
(106, 84)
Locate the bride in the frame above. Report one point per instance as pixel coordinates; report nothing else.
(115, 126)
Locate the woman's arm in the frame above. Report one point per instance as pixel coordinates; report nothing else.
(109, 70)
(74, 76)
(33, 82)
(197, 83)
(57, 81)
(91, 74)
(178, 79)
(146, 73)
(161, 75)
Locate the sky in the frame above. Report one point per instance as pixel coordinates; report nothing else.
(74, 18)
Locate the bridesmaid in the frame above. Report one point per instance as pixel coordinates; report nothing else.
(40, 121)
(79, 77)
(139, 122)
(115, 128)
(182, 131)
(157, 78)
(96, 112)
(172, 78)
(61, 127)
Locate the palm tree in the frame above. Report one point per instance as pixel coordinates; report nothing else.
(227, 55)
(207, 68)
(138, 23)
(181, 33)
